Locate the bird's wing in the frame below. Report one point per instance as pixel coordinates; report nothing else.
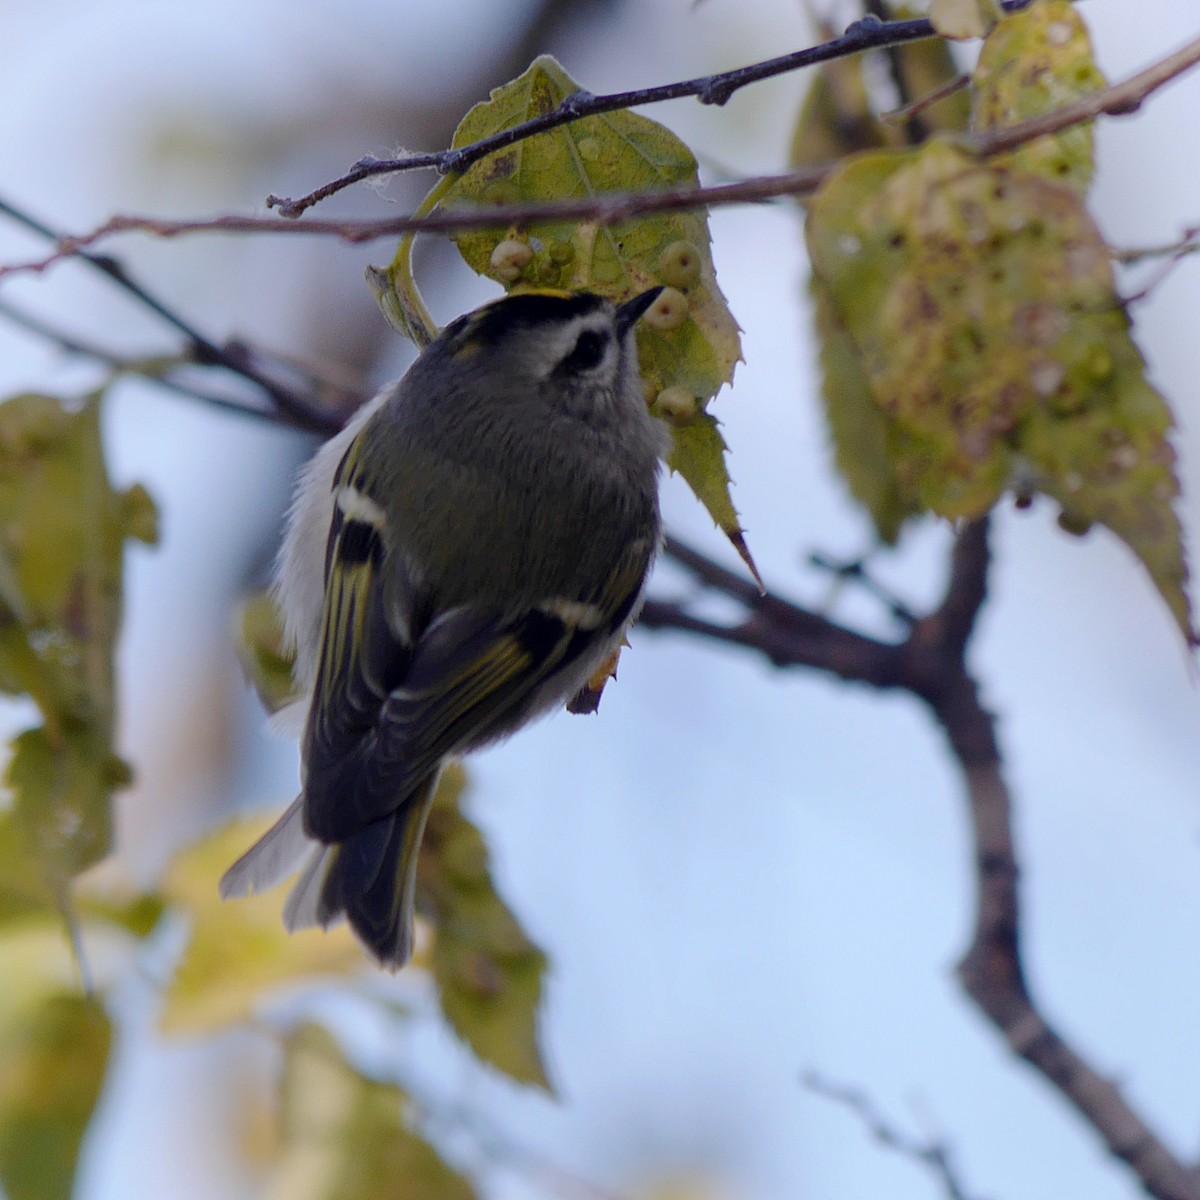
(386, 712)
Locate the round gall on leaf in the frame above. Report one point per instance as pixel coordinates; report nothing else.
(675, 404)
(509, 259)
(679, 265)
(669, 311)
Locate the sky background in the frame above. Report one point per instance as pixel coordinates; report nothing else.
(739, 875)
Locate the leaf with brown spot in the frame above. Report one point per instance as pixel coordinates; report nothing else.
(978, 304)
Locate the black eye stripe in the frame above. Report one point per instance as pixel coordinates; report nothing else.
(589, 350)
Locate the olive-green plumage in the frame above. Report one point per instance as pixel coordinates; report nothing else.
(460, 559)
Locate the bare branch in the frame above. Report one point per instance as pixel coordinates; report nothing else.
(930, 663)
(288, 406)
(613, 208)
(871, 33)
(934, 1154)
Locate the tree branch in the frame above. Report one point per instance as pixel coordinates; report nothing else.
(871, 33)
(930, 663)
(934, 1153)
(288, 406)
(613, 208)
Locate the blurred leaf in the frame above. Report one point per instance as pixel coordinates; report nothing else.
(347, 1137)
(53, 1059)
(838, 118)
(860, 431)
(260, 647)
(488, 973)
(981, 306)
(62, 532)
(1035, 61)
(23, 887)
(964, 20)
(238, 953)
(696, 347)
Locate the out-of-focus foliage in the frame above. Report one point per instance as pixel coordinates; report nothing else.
(1033, 62)
(53, 1059)
(973, 340)
(62, 535)
(837, 119)
(489, 974)
(238, 953)
(348, 1137)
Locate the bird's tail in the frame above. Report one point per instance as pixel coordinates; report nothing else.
(370, 878)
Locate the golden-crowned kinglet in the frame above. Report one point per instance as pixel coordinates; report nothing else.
(462, 557)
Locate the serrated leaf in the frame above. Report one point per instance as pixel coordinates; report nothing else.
(982, 309)
(62, 533)
(1032, 62)
(613, 152)
(347, 1137)
(238, 954)
(265, 661)
(488, 973)
(698, 454)
(53, 1060)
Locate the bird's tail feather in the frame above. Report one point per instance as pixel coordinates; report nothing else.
(372, 879)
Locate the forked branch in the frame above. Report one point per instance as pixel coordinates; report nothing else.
(930, 663)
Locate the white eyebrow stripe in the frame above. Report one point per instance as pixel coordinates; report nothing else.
(358, 506)
(575, 612)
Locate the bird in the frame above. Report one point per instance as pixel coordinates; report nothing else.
(462, 558)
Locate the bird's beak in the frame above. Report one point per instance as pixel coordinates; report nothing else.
(629, 312)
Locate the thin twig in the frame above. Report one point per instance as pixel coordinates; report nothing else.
(290, 407)
(934, 1154)
(156, 369)
(871, 33)
(613, 208)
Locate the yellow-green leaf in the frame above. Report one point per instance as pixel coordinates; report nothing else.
(697, 348)
(488, 973)
(63, 787)
(1032, 62)
(698, 454)
(53, 1059)
(62, 533)
(238, 953)
(964, 20)
(347, 1137)
(982, 310)
(862, 435)
(260, 646)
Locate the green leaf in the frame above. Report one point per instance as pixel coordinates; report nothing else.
(347, 1137)
(696, 346)
(239, 953)
(861, 433)
(1035, 61)
(260, 647)
(62, 534)
(53, 1060)
(489, 975)
(982, 310)
(964, 20)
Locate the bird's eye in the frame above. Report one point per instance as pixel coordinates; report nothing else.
(588, 351)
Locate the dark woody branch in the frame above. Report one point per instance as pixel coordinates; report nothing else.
(930, 663)
(871, 33)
